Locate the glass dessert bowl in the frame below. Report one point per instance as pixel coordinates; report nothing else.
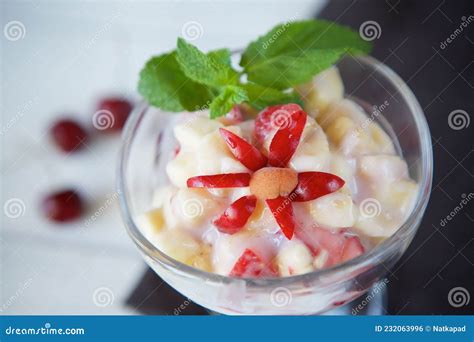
(355, 230)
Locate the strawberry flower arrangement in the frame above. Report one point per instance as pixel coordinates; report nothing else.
(285, 184)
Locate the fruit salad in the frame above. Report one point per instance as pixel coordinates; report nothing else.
(288, 190)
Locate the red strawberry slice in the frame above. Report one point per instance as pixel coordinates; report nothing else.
(312, 185)
(339, 246)
(236, 215)
(282, 210)
(352, 249)
(248, 265)
(235, 116)
(247, 154)
(225, 180)
(318, 239)
(286, 139)
(271, 118)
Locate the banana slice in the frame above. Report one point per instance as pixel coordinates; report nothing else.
(400, 197)
(381, 225)
(326, 87)
(151, 222)
(342, 108)
(312, 153)
(351, 131)
(202, 260)
(294, 258)
(190, 133)
(382, 141)
(382, 170)
(335, 210)
(214, 157)
(181, 168)
(342, 167)
(177, 244)
(191, 207)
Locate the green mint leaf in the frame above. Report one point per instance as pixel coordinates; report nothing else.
(164, 85)
(221, 55)
(223, 103)
(202, 68)
(261, 97)
(285, 71)
(289, 46)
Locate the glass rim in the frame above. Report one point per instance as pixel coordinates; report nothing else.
(384, 248)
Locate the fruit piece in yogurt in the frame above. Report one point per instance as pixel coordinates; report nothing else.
(324, 88)
(250, 265)
(294, 258)
(236, 215)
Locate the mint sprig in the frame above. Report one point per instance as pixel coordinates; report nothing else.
(212, 69)
(288, 55)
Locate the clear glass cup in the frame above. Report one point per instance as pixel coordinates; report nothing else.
(141, 170)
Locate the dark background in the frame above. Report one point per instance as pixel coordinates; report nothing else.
(439, 258)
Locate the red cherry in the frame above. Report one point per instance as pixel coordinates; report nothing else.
(63, 206)
(111, 115)
(68, 135)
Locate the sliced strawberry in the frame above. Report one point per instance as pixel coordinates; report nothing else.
(282, 210)
(286, 139)
(312, 185)
(247, 154)
(248, 265)
(352, 248)
(235, 116)
(236, 215)
(339, 246)
(317, 239)
(225, 180)
(271, 118)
